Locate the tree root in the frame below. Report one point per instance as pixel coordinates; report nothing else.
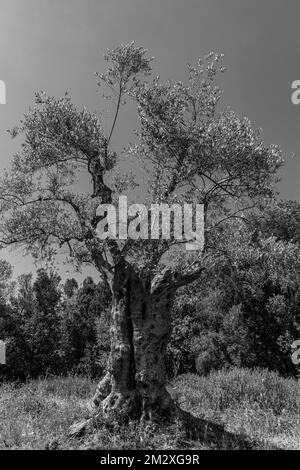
(196, 429)
(78, 430)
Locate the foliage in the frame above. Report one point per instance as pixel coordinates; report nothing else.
(192, 149)
(46, 334)
(246, 311)
(31, 330)
(85, 326)
(70, 287)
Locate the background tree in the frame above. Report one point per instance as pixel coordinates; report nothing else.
(191, 150)
(84, 319)
(30, 325)
(45, 323)
(46, 333)
(70, 287)
(255, 319)
(281, 219)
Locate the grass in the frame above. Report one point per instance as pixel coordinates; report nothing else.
(258, 404)
(35, 413)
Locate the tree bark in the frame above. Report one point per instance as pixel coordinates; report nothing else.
(135, 380)
(134, 386)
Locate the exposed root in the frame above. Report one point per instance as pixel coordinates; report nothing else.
(196, 429)
(103, 389)
(80, 429)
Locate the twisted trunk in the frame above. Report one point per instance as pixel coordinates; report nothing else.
(134, 385)
(140, 330)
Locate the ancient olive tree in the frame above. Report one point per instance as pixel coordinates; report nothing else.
(189, 148)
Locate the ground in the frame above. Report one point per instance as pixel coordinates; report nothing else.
(257, 404)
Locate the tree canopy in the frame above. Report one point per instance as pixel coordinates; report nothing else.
(193, 149)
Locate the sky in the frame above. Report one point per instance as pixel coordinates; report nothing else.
(58, 45)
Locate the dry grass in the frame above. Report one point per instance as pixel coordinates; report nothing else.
(258, 404)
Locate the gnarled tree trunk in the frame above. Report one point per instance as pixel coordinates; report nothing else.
(140, 330)
(134, 384)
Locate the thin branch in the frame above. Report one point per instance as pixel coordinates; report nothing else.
(116, 114)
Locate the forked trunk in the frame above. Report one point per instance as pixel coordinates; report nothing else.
(134, 385)
(140, 329)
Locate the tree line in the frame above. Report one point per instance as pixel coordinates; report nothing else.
(244, 312)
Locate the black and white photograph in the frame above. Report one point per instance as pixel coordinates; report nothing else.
(149, 229)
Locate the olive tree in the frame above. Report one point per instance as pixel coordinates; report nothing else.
(190, 148)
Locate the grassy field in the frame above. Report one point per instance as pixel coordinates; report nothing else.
(257, 404)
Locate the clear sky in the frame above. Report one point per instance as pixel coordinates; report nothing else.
(57, 45)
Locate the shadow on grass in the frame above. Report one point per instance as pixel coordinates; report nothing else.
(215, 435)
(208, 433)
